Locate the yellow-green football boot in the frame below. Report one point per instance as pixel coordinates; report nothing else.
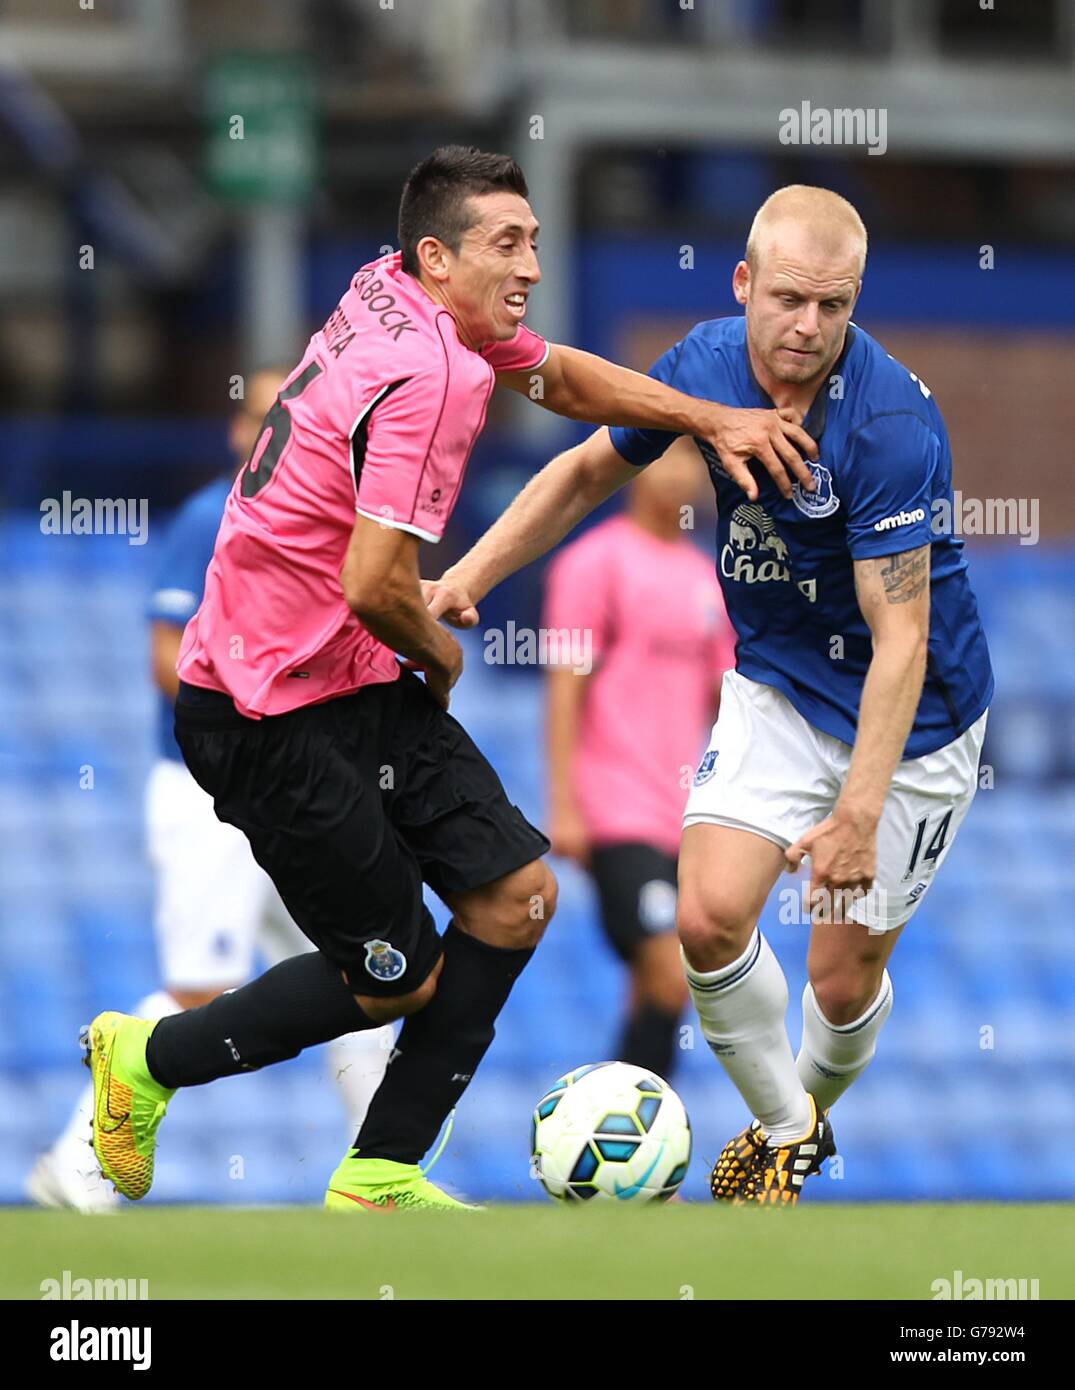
(380, 1184)
(128, 1103)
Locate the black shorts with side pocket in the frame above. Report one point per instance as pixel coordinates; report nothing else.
(349, 805)
(636, 890)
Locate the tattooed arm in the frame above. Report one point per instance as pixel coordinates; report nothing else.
(893, 594)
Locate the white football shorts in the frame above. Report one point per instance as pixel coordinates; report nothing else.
(768, 771)
(216, 908)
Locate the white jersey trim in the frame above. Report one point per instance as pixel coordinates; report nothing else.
(399, 525)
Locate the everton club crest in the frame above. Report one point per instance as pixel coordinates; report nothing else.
(823, 500)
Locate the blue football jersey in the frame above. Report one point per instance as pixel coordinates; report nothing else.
(179, 578)
(786, 565)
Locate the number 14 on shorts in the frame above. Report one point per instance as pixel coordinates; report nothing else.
(935, 846)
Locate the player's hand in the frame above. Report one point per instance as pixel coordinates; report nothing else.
(774, 437)
(449, 598)
(569, 836)
(441, 675)
(843, 856)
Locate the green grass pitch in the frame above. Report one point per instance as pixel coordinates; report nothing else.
(682, 1251)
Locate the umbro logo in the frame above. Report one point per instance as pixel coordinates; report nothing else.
(901, 518)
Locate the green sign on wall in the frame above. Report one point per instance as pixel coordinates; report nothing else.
(262, 142)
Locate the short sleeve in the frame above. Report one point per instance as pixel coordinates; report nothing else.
(179, 571)
(578, 591)
(401, 478)
(523, 352)
(887, 485)
(639, 446)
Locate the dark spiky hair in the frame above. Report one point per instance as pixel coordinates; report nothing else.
(435, 196)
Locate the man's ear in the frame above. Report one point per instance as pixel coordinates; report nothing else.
(432, 257)
(741, 282)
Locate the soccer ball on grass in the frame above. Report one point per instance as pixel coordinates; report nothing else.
(610, 1131)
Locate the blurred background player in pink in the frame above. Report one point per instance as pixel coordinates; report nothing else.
(215, 908)
(623, 736)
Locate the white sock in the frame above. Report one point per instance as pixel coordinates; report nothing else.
(741, 1008)
(357, 1063)
(72, 1153)
(832, 1056)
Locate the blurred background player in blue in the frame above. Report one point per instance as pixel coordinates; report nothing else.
(215, 907)
(624, 728)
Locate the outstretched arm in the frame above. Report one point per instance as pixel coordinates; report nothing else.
(584, 387)
(551, 503)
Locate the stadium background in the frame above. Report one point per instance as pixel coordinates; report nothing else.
(656, 132)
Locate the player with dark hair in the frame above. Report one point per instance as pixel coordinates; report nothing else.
(214, 908)
(851, 727)
(345, 771)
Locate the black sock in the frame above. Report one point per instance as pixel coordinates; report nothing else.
(296, 1004)
(649, 1039)
(439, 1048)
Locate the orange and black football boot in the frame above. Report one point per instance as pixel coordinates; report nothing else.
(750, 1169)
(736, 1163)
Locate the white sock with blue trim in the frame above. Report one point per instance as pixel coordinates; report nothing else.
(741, 1008)
(831, 1055)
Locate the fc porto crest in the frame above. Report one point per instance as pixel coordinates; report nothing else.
(821, 502)
(383, 961)
(707, 767)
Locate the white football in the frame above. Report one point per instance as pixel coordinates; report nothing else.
(611, 1131)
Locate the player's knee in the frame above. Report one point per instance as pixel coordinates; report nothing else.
(529, 906)
(514, 912)
(713, 931)
(843, 995)
(386, 1010)
(544, 896)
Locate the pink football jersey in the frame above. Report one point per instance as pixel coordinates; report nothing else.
(379, 417)
(660, 642)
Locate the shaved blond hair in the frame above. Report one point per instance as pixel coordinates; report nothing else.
(831, 220)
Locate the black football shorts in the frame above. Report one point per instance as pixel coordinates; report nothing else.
(636, 890)
(349, 806)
